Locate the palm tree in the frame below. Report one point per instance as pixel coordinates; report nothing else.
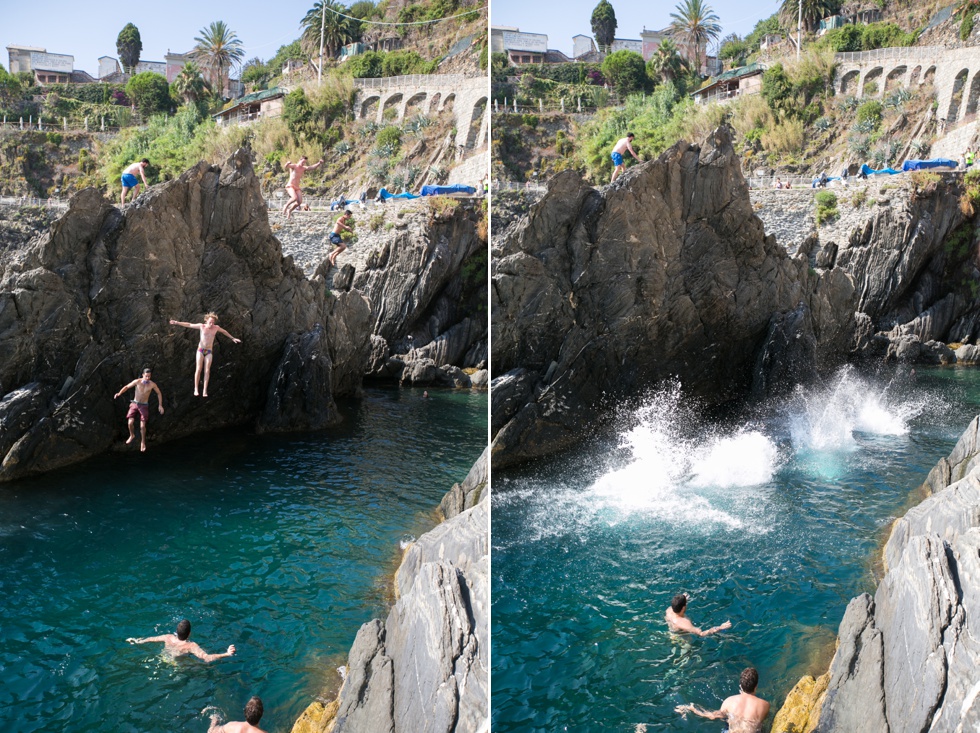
(666, 63)
(694, 24)
(189, 83)
(813, 11)
(217, 49)
(338, 31)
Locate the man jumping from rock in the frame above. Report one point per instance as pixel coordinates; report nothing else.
(140, 405)
(678, 621)
(336, 240)
(624, 144)
(296, 171)
(178, 644)
(744, 712)
(205, 348)
(129, 179)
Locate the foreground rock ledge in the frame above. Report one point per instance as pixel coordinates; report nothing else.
(907, 659)
(426, 668)
(87, 305)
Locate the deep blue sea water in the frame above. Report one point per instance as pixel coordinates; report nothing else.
(771, 520)
(281, 545)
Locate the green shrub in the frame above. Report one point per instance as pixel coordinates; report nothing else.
(626, 71)
(530, 120)
(966, 25)
(390, 135)
(870, 112)
(150, 93)
(826, 206)
(859, 197)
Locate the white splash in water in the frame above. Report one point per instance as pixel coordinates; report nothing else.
(747, 458)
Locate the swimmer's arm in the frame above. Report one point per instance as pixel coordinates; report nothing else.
(315, 165)
(201, 654)
(215, 725)
(145, 639)
(701, 712)
(221, 330)
(159, 397)
(186, 325)
(712, 630)
(125, 389)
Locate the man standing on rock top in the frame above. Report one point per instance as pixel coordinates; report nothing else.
(140, 404)
(296, 171)
(336, 240)
(744, 712)
(129, 179)
(205, 349)
(624, 144)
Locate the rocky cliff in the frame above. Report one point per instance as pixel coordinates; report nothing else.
(86, 305)
(907, 658)
(425, 669)
(599, 294)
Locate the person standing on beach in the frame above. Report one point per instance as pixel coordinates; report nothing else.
(744, 712)
(253, 714)
(296, 171)
(677, 620)
(336, 239)
(179, 644)
(624, 144)
(129, 179)
(140, 404)
(205, 348)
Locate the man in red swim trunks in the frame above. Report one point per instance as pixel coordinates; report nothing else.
(140, 405)
(296, 171)
(209, 329)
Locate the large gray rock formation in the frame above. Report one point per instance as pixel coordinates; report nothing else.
(599, 294)
(907, 659)
(86, 305)
(426, 668)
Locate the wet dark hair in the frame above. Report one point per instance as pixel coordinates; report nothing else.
(630, 134)
(183, 630)
(347, 212)
(145, 160)
(680, 600)
(144, 370)
(748, 679)
(253, 710)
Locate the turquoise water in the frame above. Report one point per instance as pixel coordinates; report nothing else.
(771, 520)
(281, 545)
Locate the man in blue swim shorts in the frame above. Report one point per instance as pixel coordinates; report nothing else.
(343, 224)
(619, 148)
(129, 179)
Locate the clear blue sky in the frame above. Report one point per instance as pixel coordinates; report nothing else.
(89, 30)
(566, 18)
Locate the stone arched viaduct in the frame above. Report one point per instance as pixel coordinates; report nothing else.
(954, 72)
(430, 93)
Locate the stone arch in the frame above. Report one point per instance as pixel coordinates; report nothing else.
(369, 105)
(914, 76)
(895, 77)
(448, 102)
(871, 83)
(434, 100)
(392, 101)
(849, 82)
(476, 123)
(974, 96)
(959, 86)
(929, 76)
(416, 103)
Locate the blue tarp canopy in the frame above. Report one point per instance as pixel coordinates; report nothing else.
(869, 171)
(438, 190)
(918, 165)
(384, 194)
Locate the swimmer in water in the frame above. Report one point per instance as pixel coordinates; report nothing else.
(205, 348)
(677, 621)
(140, 405)
(253, 714)
(178, 644)
(744, 712)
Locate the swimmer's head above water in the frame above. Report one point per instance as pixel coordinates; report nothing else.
(184, 630)
(679, 603)
(253, 710)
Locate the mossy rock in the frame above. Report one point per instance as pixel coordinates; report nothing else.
(801, 711)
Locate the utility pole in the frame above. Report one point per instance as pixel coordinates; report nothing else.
(799, 26)
(323, 22)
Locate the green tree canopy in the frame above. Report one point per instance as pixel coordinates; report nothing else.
(666, 64)
(129, 46)
(338, 31)
(604, 24)
(149, 92)
(218, 47)
(695, 24)
(734, 50)
(189, 83)
(626, 71)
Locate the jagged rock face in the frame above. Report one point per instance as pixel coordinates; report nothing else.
(598, 295)
(426, 668)
(907, 660)
(86, 306)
